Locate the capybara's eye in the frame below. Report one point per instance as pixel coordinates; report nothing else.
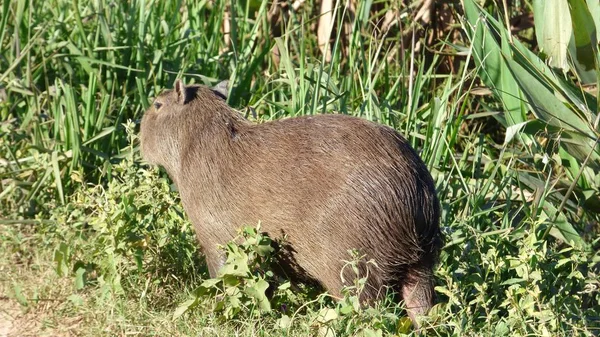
(157, 105)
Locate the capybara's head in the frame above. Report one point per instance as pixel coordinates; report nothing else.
(172, 116)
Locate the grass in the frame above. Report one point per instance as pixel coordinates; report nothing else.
(92, 242)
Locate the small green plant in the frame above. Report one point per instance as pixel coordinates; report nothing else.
(348, 317)
(240, 290)
(131, 229)
(242, 282)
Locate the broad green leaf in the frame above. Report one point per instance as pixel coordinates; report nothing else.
(258, 293)
(346, 309)
(553, 30)
(327, 315)
(594, 8)
(512, 281)
(485, 49)
(532, 61)
(236, 265)
(501, 329)
(529, 60)
(491, 65)
(584, 48)
(264, 248)
(510, 94)
(572, 124)
(233, 304)
(579, 99)
(581, 147)
(284, 322)
(372, 333)
(61, 258)
(544, 102)
(184, 307)
(208, 287)
(404, 325)
(230, 282)
(561, 228)
(79, 278)
(106, 131)
(284, 286)
(210, 283)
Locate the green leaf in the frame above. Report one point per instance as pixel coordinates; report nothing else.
(573, 126)
(105, 132)
(284, 322)
(326, 315)
(580, 100)
(594, 9)
(510, 94)
(346, 309)
(80, 278)
(231, 281)
(62, 259)
(553, 30)
(512, 281)
(236, 265)
(584, 50)
(372, 333)
(501, 329)
(485, 48)
(57, 177)
(184, 307)
(403, 325)
(561, 228)
(210, 283)
(284, 286)
(258, 292)
(234, 304)
(76, 299)
(492, 68)
(580, 147)
(18, 290)
(544, 102)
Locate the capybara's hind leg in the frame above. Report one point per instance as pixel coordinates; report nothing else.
(215, 259)
(418, 293)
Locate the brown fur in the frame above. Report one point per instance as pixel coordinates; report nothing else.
(330, 182)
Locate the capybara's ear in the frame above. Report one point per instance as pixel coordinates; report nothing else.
(222, 89)
(180, 90)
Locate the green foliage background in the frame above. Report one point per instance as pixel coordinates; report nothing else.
(89, 233)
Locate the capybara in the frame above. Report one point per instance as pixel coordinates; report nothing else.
(330, 183)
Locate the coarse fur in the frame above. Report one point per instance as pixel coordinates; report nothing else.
(331, 183)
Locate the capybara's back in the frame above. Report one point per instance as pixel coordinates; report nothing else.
(331, 183)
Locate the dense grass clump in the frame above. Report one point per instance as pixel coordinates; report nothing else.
(94, 242)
